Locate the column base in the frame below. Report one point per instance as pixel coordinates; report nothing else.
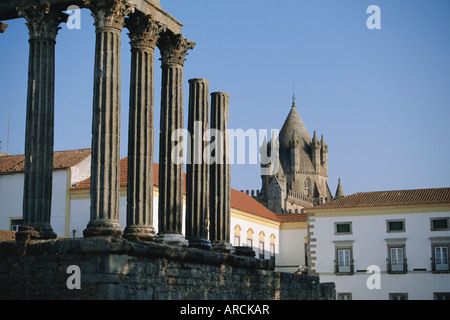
(222, 246)
(103, 228)
(27, 233)
(172, 239)
(203, 244)
(139, 233)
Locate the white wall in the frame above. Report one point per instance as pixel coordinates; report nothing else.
(369, 240)
(11, 200)
(293, 254)
(81, 172)
(257, 228)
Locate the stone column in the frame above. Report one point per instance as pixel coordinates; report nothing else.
(220, 182)
(43, 25)
(144, 32)
(109, 16)
(173, 50)
(197, 178)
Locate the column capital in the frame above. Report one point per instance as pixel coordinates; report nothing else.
(42, 22)
(144, 30)
(3, 27)
(109, 13)
(174, 48)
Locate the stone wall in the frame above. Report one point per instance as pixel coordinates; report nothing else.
(114, 268)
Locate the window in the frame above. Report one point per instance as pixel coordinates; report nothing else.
(442, 296)
(342, 228)
(272, 250)
(440, 258)
(398, 296)
(307, 183)
(396, 261)
(261, 245)
(439, 224)
(395, 225)
(237, 236)
(15, 223)
(272, 247)
(344, 261)
(261, 250)
(344, 296)
(250, 238)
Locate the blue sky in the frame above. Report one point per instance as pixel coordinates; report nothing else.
(380, 97)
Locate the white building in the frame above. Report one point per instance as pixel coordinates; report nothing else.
(70, 167)
(279, 237)
(383, 245)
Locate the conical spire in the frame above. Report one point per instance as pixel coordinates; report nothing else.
(293, 129)
(339, 191)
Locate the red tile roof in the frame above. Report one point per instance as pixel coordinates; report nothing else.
(292, 217)
(6, 235)
(11, 164)
(391, 198)
(243, 202)
(239, 200)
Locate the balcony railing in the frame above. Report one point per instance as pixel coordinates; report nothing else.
(344, 269)
(399, 266)
(439, 265)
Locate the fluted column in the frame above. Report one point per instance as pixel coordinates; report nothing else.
(197, 177)
(43, 24)
(220, 181)
(173, 50)
(144, 32)
(109, 18)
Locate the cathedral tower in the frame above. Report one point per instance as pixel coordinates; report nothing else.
(304, 169)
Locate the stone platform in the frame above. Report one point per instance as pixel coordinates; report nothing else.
(114, 268)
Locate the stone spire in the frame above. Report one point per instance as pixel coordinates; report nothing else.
(339, 191)
(315, 142)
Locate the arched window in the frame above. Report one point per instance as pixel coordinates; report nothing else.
(272, 246)
(250, 238)
(308, 183)
(237, 235)
(261, 244)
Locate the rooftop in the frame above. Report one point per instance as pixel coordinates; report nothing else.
(11, 164)
(391, 198)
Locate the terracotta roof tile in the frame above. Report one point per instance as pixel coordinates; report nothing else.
(6, 235)
(243, 202)
(292, 217)
(391, 198)
(61, 160)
